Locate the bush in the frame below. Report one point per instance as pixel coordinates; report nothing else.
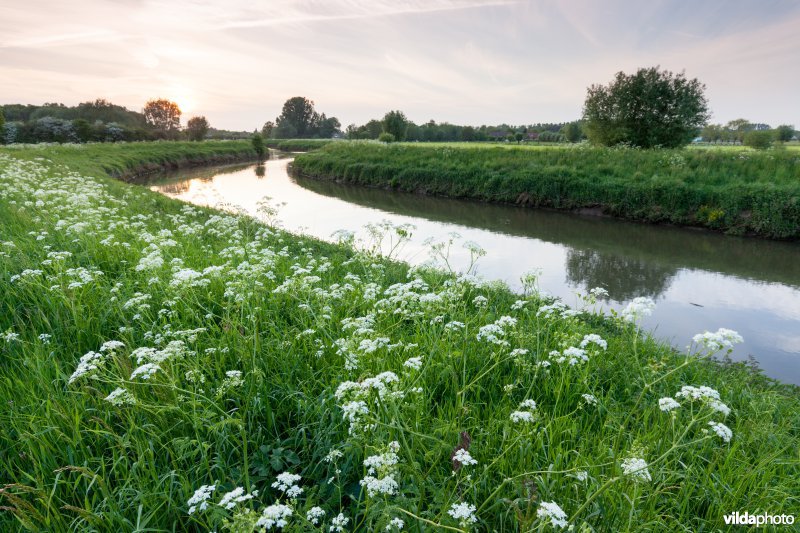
(386, 137)
(759, 139)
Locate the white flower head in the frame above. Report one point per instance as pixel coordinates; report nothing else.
(636, 468)
(638, 308)
(722, 431)
(464, 457)
(199, 500)
(464, 513)
(552, 512)
(668, 404)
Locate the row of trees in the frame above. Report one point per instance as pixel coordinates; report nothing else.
(739, 130)
(395, 126)
(97, 121)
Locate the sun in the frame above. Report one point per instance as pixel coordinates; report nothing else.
(184, 97)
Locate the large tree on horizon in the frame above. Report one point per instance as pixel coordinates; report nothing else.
(164, 116)
(647, 109)
(297, 118)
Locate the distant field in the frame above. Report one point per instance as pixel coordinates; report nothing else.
(733, 189)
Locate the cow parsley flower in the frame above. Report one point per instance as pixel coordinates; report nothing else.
(594, 339)
(237, 495)
(551, 511)
(464, 513)
(464, 457)
(87, 366)
(395, 524)
(414, 363)
(668, 404)
(589, 399)
(287, 483)
(120, 397)
(199, 501)
(276, 515)
(722, 431)
(146, 371)
(339, 522)
(638, 308)
(636, 468)
(381, 470)
(714, 342)
(315, 514)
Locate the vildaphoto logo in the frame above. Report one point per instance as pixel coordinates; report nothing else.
(747, 519)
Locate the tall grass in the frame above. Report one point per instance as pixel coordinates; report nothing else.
(298, 145)
(736, 191)
(244, 353)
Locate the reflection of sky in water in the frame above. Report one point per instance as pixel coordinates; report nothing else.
(690, 300)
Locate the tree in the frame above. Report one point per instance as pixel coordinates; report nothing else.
(196, 128)
(739, 128)
(386, 137)
(572, 131)
(267, 128)
(328, 127)
(783, 133)
(396, 123)
(297, 118)
(759, 139)
(258, 145)
(2, 119)
(164, 116)
(647, 109)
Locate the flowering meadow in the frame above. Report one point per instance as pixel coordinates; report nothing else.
(165, 367)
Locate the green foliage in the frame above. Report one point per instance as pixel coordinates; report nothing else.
(164, 116)
(196, 128)
(2, 119)
(572, 132)
(757, 193)
(230, 295)
(395, 123)
(386, 137)
(298, 145)
(648, 109)
(759, 139)
(267, 129)
(784, 133)
(258, 145)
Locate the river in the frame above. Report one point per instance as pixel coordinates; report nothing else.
(699, 280)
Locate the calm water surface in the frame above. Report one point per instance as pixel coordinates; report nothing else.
(700, 281)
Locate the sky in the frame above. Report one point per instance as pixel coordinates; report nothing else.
(460, 61)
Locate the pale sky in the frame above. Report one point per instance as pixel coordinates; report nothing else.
(462, 61)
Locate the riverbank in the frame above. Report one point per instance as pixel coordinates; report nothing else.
(297, 145)
(737, 192)
(157, 356)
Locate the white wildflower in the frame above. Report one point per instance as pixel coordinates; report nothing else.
(339, 522)
(414, 363)
(464, 513)
(275, 515)
(722, 431)
(714, 342)
(199, 501)
(120, 397)
(315, 514)
(638, 308)
(287, 483)
(668, 404)
(146, 371)
(464, 457)
(237, 495)
(636, 468)
(395, 524)
(553, 512)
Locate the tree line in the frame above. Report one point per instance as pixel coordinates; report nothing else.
(102, 121)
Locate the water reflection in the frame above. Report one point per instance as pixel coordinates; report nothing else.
(701, 281)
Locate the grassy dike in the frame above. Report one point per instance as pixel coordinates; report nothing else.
(165, 367)
(736, 191)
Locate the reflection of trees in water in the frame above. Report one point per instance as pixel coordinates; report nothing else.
(623, 277)
(261, 171)
(176, 187)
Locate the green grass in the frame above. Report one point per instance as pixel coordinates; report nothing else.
(298, 145)
(737, 190)
(85, 260)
